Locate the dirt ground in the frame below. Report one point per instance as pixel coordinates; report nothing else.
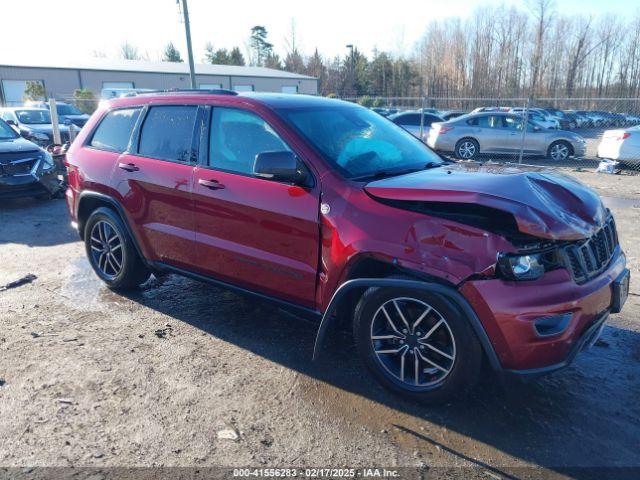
(91, 378)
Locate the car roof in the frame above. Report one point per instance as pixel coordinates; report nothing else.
(273, 100)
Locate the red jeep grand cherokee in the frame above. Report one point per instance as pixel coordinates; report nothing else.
(331, 210)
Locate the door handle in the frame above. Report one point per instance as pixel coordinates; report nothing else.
(212, 184)
(129, 167)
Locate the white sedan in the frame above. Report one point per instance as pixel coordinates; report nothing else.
(622, 145)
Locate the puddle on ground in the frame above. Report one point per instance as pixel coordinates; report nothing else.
(617, 202)
(84, 290)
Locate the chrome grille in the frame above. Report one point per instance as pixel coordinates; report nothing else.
(587, 258)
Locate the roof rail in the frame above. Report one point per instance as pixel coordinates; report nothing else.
(216, 91)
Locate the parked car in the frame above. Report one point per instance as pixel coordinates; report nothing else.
(572, 120)
(564, 123)
(631, 119)
(549, 119)
(381, 111)
(597, 118)
(322, 206)
(26, 170)
(588, 120)
(67, 113)
(469, 136)
(537, 117)
(33, 124)
(449, 114)
(621, 145)
(490, 109)
(579, 120)
(410, 121)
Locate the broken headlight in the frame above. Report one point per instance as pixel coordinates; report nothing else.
(47, 161)
(521, 267)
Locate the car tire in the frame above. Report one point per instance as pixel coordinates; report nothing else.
(111, 251)
(455, 349)
(467, 149)
(559, 151)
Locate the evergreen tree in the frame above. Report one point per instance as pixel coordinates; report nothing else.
(261, 49)
(171, 54)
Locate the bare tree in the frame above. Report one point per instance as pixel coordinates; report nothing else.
(129, 52)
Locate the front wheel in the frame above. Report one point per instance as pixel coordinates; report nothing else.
(111, 251)
(417, 344)
(559, 151)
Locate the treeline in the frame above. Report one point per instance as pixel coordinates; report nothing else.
(498, 52)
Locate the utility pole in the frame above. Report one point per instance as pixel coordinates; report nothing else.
(192, 71)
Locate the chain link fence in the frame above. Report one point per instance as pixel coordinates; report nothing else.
(594, 133)
(588, 133)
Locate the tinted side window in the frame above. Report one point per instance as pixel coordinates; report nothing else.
(167, 132)
(115, 130)
(429, 119)
(408, 119)
(237, 137)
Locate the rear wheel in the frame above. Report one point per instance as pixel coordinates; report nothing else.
(467, 149)
(559, 150)
(111, 252)
(416, 344)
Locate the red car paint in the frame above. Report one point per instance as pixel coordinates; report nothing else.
(272, 238)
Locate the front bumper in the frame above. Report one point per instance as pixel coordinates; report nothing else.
(588, 338)
(509, 310)
(29, 185)
(579, 149)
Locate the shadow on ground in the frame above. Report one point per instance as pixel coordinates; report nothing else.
(49, 218)
(585, 416)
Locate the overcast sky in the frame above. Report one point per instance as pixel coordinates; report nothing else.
(72, 29)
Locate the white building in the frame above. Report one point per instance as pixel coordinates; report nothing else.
(60, 81)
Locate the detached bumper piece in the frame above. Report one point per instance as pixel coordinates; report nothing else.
(588, 338)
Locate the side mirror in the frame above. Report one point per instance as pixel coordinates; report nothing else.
(11, 122)
(280, 166)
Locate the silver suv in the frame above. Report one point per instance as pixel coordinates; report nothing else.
(502, 133)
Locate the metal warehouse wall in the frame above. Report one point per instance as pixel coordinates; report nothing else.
(63, 82)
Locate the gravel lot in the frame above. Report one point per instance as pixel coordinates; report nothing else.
(93, 378)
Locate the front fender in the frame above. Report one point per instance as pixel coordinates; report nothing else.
(446, 292)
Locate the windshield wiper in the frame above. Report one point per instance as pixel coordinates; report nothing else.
(394, 173)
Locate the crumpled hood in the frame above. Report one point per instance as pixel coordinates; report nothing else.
(15, 145)
(544, 203)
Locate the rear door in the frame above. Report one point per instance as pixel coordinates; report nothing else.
(493, 136)
(154, 180)
(253, 232)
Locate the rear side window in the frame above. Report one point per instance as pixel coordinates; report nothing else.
(167, 132)
(115, 130)
(486, 121)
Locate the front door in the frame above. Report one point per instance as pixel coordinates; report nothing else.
(255, 233)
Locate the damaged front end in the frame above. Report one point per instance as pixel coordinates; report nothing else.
(550, 220)
(28, 174)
